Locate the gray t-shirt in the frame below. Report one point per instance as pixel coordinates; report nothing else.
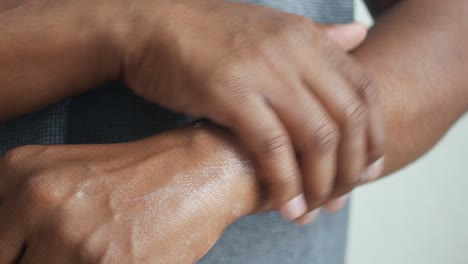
(113, 114)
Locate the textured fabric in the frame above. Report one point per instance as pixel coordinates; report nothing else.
(44, 127)
(113, 114)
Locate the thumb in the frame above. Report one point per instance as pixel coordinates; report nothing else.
(347, 36)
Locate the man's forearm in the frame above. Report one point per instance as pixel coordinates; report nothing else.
(417, 50)
(50, 50)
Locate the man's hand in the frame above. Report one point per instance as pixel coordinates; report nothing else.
(166, 199)
(298, 88)
(298, 102)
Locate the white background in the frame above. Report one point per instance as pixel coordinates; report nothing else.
(420, 214)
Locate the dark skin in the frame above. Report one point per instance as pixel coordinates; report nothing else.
(265, 74)
(415, 52)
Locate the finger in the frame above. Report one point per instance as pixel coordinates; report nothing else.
(257, 125)
(352, 153)
(309, 217)
(336, 204)
(315, 137)
(11, 233)
(369, 92)
(345, 106)
(374, 171)
(347, 36)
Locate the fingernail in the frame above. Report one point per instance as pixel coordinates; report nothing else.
(309, 217)
(337, 204)
(374, 170)
(361, 24)
(349, 30)
(295, 208)
(344, 199)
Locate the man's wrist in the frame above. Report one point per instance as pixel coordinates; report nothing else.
(106, 31)
(230, 167)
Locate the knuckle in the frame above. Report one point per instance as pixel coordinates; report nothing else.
(232, 74)
(291, 28)
(89, 251)
(66, 233)
(274, 144)
(303, 21)
(348, 183)
(232, 83)
(327, 138)
(367, 88)
(239, 96)
(41, 190)
(355, 116)
(287, 183)
(319, 195)
(14, 157)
